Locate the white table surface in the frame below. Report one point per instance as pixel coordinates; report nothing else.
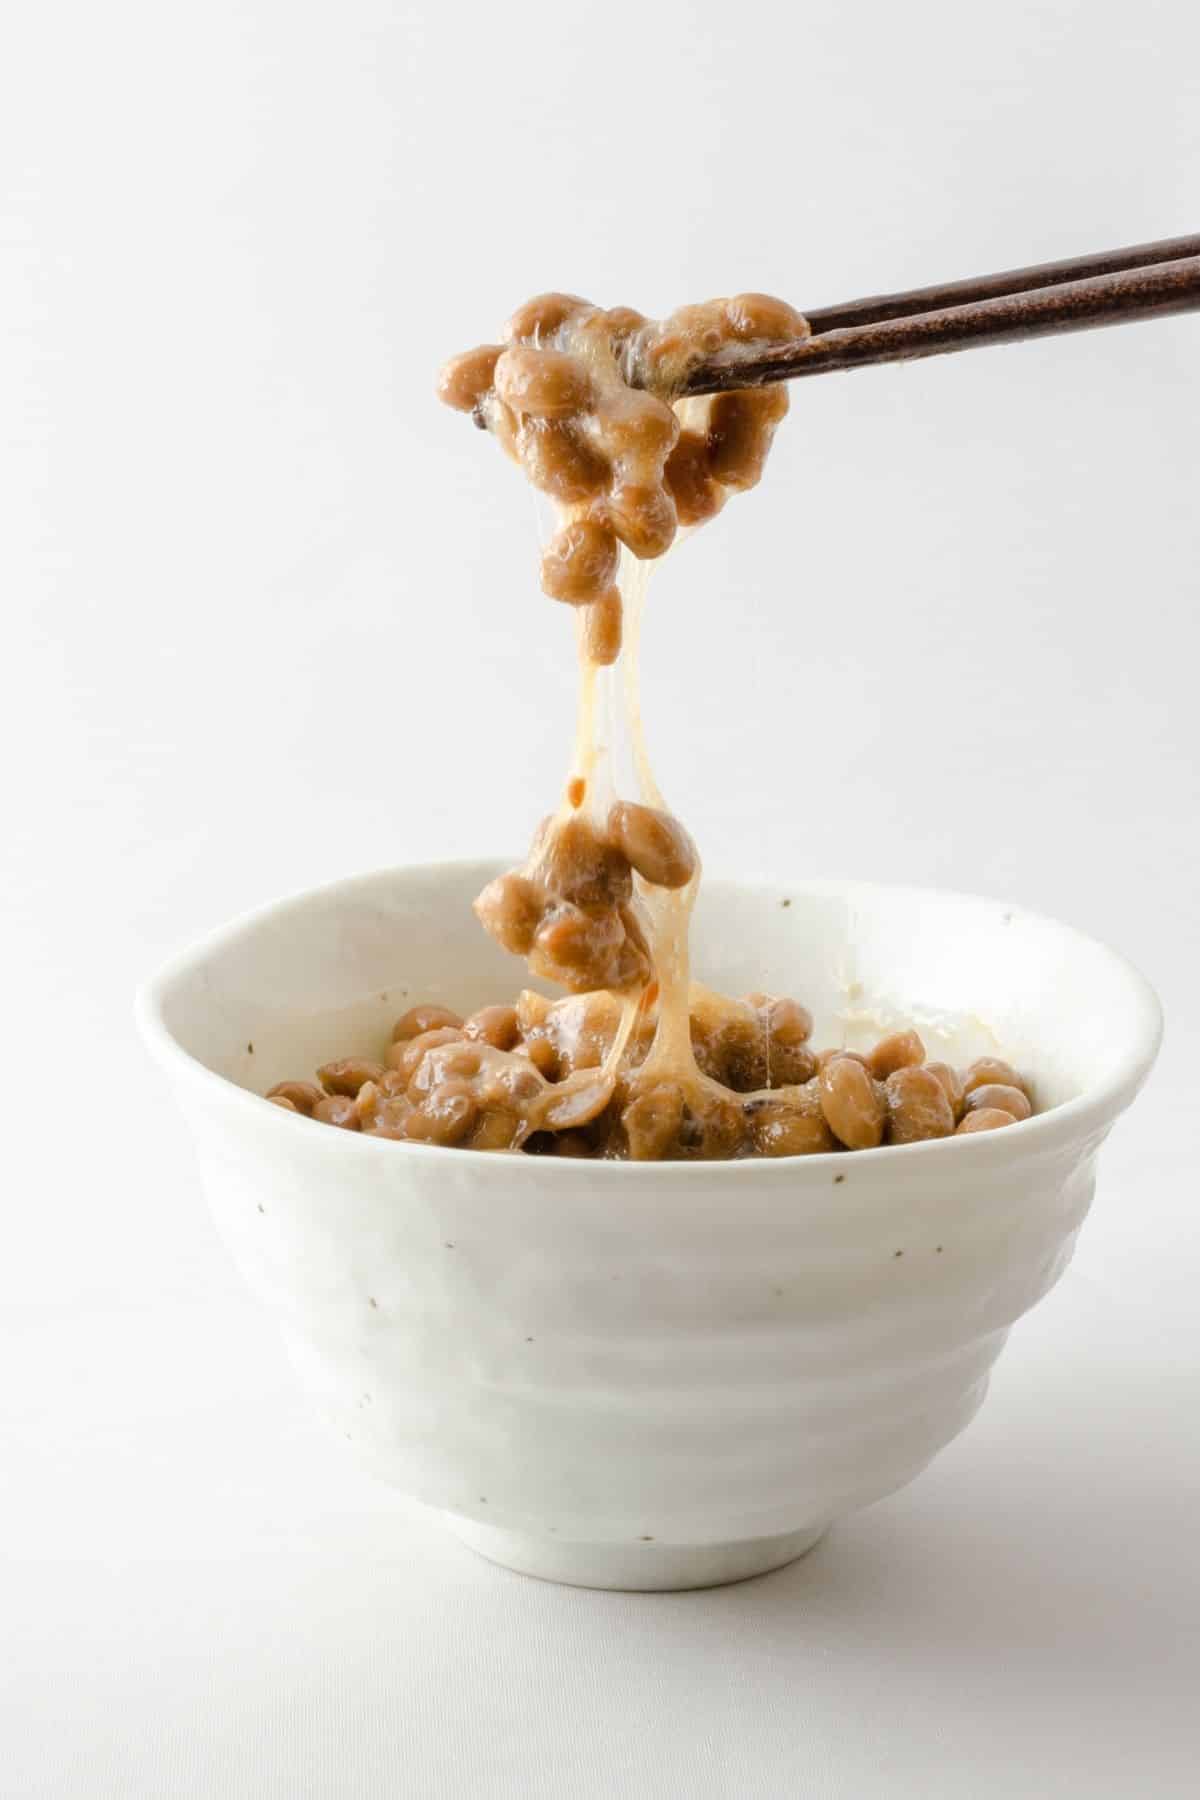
(953, 642)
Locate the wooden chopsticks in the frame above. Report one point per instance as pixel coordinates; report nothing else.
(1145, 281)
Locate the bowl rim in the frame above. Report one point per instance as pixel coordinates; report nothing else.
(1029, 1138)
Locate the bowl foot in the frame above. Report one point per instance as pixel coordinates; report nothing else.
(640, 1567)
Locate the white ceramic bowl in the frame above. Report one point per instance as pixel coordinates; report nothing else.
(649, 1376)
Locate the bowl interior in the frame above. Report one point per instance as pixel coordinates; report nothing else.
(323, 975)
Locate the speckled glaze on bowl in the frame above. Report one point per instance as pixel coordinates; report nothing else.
(649, 1376)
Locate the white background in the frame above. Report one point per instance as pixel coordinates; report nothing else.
(270, 616)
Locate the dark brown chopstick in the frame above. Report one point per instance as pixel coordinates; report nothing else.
(994, 287)
(995, 313)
